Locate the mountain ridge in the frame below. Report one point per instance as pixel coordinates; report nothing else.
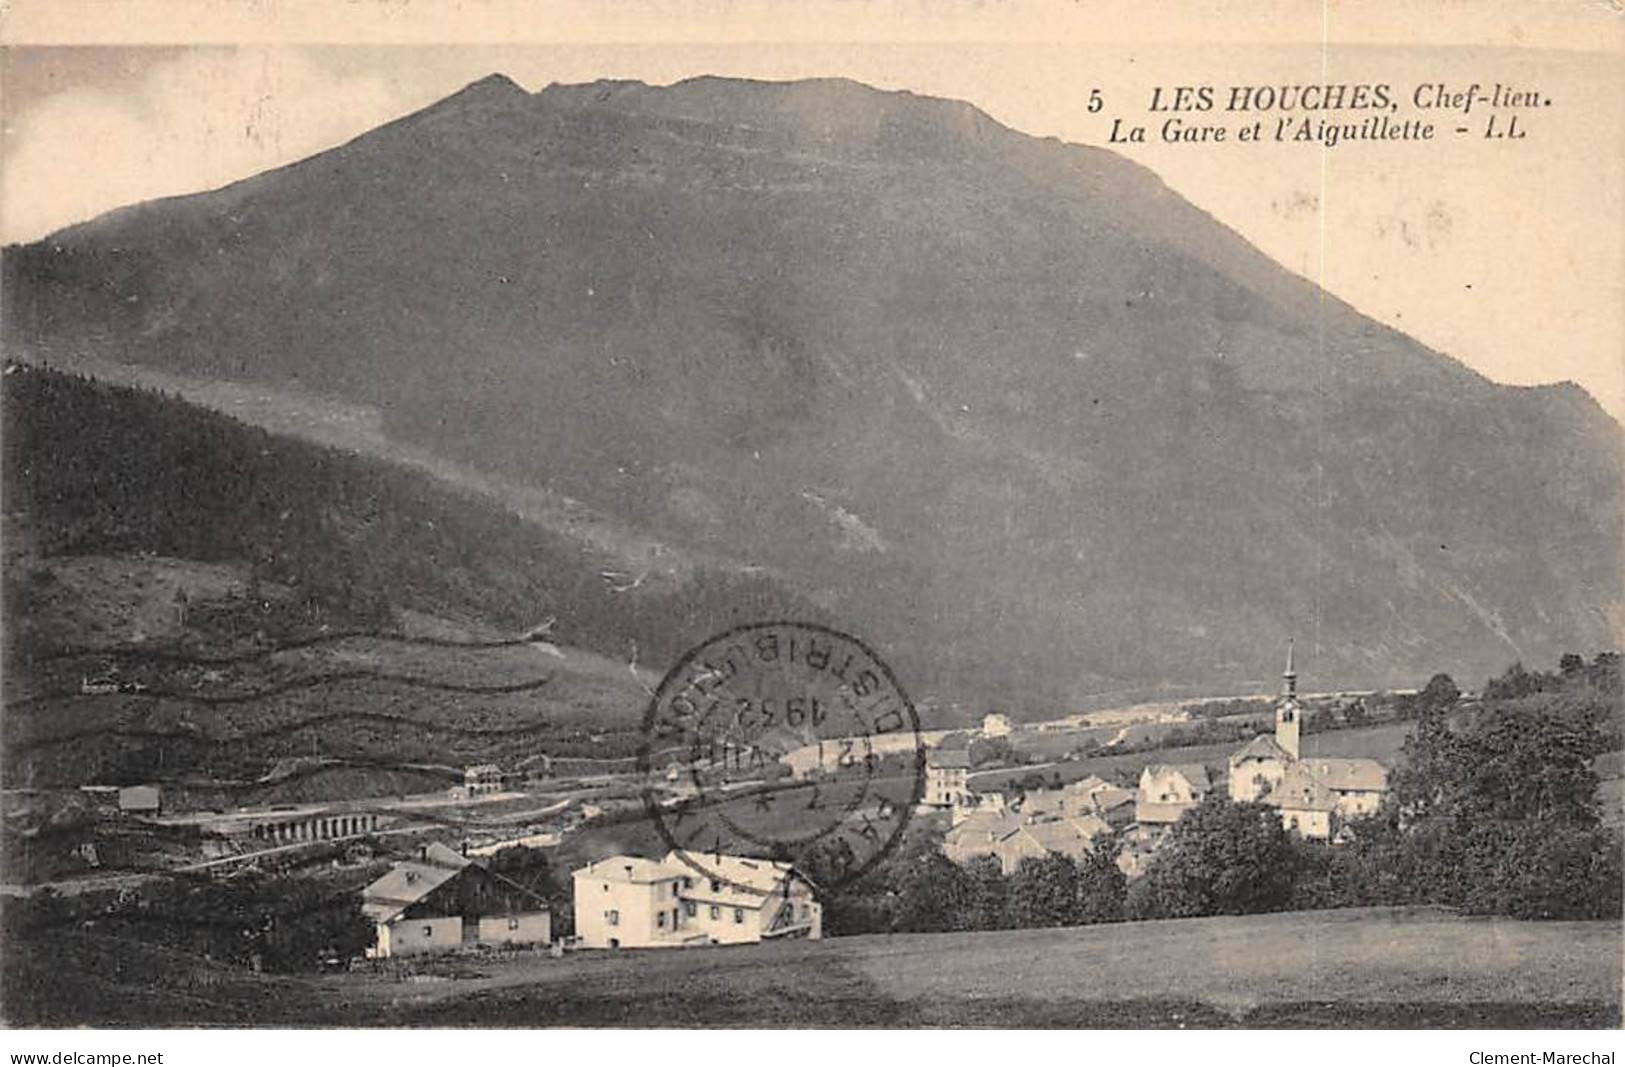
(1066, 403)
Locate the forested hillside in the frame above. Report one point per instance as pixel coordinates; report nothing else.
(179, 587)
(92, 469)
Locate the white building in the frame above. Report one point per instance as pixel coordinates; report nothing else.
(635, 902)
(947, 773)
(996, 725)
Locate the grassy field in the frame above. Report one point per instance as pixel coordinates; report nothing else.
(1355, 968)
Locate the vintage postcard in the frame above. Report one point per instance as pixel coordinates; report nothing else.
(840, 516)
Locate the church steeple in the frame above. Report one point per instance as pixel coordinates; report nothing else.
(1289, 713)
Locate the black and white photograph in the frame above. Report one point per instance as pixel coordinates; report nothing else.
(823, 516)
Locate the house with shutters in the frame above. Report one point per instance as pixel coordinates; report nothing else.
(947, 773)
(441, 900)
(637, 902)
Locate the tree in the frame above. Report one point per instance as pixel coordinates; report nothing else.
(1044, 892)
(984, 750)
(1219, 859)
(1498, 813)
(1439, 695)
(1102, 886)
(992, 894)
(1553, 872)
(935, 894)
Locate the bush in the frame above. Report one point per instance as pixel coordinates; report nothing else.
(1550, 871)
(1219, 859)
(1044, 892)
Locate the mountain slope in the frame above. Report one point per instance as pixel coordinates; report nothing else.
(255, 598)
(1010, 408)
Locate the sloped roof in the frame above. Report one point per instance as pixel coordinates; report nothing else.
(1112, 797)
(1194, 773)
(632, 869)
(1064, 836)
(1091, 826)
(1263, 746)
(1301, 791)
(1088, 786)
(1344, 773)
(756, 876)
(1042, 802)
(982, 826)
(409, 881)
(949, 758)
(1158, 813)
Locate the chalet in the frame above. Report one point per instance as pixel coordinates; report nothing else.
(1167, 791)
(636, 902)
(442, 900)
(996, 725)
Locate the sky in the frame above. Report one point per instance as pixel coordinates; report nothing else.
(1508, 255)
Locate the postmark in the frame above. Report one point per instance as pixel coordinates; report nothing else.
(788, 741)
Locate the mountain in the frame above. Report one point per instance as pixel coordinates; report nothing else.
(1008, 408)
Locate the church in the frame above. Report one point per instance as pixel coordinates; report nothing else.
(1314, 795)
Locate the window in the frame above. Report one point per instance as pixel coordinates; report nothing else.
(674, 889)
(614, 917)
(716, 912)
(513, 924)
(688, 883)
(716, 886)
(739, 915)
(428, 931)
(689, 908)
(660, 920)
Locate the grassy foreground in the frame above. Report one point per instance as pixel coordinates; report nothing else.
(1354, 968)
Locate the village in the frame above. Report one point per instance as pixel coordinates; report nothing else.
(446, 899)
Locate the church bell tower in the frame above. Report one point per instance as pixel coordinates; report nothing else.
(1289, 713)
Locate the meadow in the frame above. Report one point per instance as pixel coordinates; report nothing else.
(1369, 967)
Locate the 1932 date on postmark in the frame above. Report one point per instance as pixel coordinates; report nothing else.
(786, 740)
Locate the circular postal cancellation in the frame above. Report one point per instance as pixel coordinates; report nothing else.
(783, 741)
